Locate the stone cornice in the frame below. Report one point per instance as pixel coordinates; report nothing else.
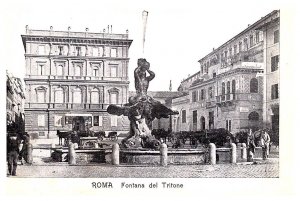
(77, 41)
(90, 58)
(77, 82)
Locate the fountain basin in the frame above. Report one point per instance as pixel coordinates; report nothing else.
(151, 157)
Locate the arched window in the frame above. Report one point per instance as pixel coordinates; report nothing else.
(233, 88)
(59, 70)
(223, 88)
(77, 96)
(202, 120)
(228, 87)
(95, 96)
(253, 85)
(59, 95)
(253, 116)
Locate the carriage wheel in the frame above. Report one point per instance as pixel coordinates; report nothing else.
(100, 138)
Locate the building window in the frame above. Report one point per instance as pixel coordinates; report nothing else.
(274, 63)
(223, 90)
(41, 96)
(228, 87)
(61, 50)
(95, 98)
(211, 120)
(257, 37)
(253, 85)
(276, 36)
(202, 97)
(96, 71)
(59, 70)
(113, 71)
(41, 50)
(114, 121)
(233, 88)
(113, 52)
(228, 125)
(253, 116)
(113, 98)
(96, 120)
(234, 49)
(183, 116)
(77, 96)
(41, 120)
(194, 96)
(202, 120)
(240, 46)
(77, 70)
(195, 116)
(57, 120)
(78, 51)
(59, 95)
(214, 75)
(202, 69)
(95, 52)
(245, 44)
(210, 92)
(274, 91)
(41, 69)
(251, 41)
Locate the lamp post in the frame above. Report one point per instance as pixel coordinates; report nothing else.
(48, 123)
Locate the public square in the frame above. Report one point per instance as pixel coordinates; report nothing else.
(43, 167)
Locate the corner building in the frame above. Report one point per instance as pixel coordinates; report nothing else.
(71, 78)
(230, 90)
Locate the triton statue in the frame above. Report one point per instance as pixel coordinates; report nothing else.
(141, 110)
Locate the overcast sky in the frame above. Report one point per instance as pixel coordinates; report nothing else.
(179, 33)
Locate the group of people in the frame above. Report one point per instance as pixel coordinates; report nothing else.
(17, 146)
(264, 143)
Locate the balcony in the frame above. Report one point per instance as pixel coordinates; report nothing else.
(229, 99)
(68, 106)
(72, 77)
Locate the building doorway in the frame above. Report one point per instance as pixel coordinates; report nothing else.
(211, 120)
(195, 120)
(202, 121)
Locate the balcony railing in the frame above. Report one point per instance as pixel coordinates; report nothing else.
(238, 97)
(75, 106)
(71, 77)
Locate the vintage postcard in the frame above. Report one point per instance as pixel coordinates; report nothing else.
(172, 98)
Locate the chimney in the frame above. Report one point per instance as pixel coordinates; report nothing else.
(69, 28)
(51, 28)
(110, 28)
(107, 28)
(170, 87)
(26, 28)
(86, 29)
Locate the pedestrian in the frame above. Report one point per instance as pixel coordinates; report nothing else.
(12, 153)
(250, 146)
(265, 144)
(23, 153)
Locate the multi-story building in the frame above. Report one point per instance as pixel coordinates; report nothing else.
(71, 78)
(229, 91)
(271, 30)
(15, 99)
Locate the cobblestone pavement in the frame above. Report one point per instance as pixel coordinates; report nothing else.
(268, 169)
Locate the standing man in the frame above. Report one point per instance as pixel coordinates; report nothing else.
(250, 146)
(12, 153)
(265, 144)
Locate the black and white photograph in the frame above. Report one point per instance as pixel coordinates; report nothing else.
(125, 97)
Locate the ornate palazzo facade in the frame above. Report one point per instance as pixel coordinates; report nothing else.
(74, 74)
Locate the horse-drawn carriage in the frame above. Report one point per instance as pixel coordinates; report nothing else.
(74, 136)
(196, 138)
